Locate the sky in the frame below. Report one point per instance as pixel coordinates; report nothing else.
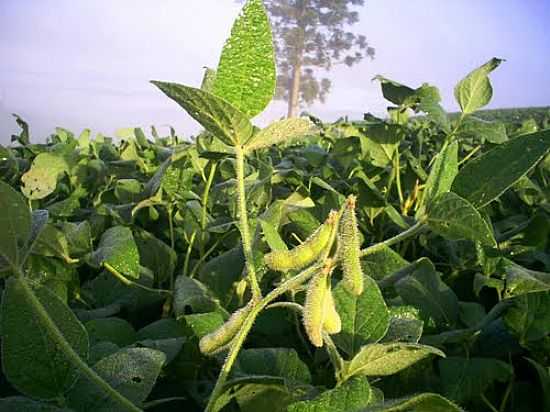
(87, 64)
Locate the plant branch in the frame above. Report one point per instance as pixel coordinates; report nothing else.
(417, 228)
(130, 283)
(73, 357)
(244, 227)
(239, 339)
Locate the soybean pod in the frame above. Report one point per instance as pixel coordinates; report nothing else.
(350, 249)
(214, 342)
(308, 252)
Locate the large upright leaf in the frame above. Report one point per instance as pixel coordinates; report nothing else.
(215, 114)
(15, 226)
(383, 359)
(486, 177)
(281, 132)
(132, 372)
(118, 249)
(352, 395)
(475, 90)
(365, 318)
(466, 379)
(425, 290)
(442, 173)
(246, 73)
(424, 402)
(455, 218)
(32, 361)
(41, 179)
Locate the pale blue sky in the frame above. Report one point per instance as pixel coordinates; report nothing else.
(84, 63)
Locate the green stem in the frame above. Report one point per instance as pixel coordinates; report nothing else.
(397, 168)
(172, 240)
(488, 403)
(73, 357)
(204, 202)
(412, 231)
(130, 283)
(239, 339)
(243, 223)
(188, 253)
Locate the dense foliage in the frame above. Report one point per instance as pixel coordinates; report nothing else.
(398, 264)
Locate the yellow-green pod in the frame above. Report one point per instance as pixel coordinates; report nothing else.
(305, 254)
(315, 308)
(332, 323)
(213, 342)
(350, 249)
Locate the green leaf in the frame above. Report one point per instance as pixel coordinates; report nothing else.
(482, 130)
(384, 359)
(282, 131)
(191, 296)
(156, 255)
(32, 362)
(425, 290)
(475, 90)
(365, 318)
(52, 242)
(132, 372)
(382, 263)
(425, 402)
(204, 323)
(520, 281)
(273, 362)
(21, 404)
(529, 318)
(486, 177)
(216, 115)
(115, 330)
(265, 379)
(41, 179)
(352, 395)
(544, 377)
(442, 174)
(208, 80)
(405, 325)
(15, 226)
(393, 91)
(466, 379)
(455, 218)
(118, 249)
(246, 72)
(221, 272)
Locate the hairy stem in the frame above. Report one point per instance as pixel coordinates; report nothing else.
(243, 223)
(204, 202)
(412, 231)
(130, 283)
(239, 339)
(73, 357)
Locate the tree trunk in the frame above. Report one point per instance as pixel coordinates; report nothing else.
(294, 92)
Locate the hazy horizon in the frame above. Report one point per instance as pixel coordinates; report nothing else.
(88, 64)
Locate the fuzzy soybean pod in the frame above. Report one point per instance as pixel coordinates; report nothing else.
(332, 323)
(350, 249)
(214, 342)
(308, 252)
(319, 310)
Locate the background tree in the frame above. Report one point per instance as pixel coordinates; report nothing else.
(310, 35)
